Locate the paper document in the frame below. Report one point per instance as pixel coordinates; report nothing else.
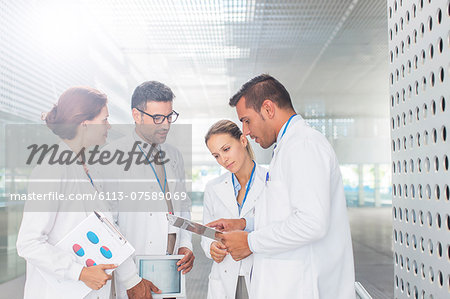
(194, 227)
(92, 242)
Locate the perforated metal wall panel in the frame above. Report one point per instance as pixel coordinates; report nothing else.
(419, 51)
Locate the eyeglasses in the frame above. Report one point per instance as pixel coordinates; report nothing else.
(159, 118)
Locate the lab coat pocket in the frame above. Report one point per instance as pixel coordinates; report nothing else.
(292, 274)
(216, 288)
(277, 199)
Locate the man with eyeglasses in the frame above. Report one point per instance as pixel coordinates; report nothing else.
(148, 231)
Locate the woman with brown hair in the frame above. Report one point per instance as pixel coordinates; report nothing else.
(232, 195)
(80, 120)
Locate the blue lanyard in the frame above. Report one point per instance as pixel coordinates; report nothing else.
(287, 124)
(282, 134)
(248, 187)
(90, 179)
(165, 175)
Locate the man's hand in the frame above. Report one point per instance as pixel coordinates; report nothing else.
(187, 262)
(227, 225)
(143, 290)
(236, 243)
(95, 277)
(218, 251)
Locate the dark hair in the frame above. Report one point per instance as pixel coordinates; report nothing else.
(261, 88)
(228, 127)
(74, 106)
(150, 91)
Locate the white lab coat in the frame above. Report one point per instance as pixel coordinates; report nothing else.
(147, 231)
(40, 231)
(301, 244)
(220, 202)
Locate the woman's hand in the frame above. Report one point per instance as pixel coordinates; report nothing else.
(95, 277)
(218, 251)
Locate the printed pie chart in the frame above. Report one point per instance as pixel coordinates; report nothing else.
(106, 252)
(78, 249)
(92, 237)
(90, 263)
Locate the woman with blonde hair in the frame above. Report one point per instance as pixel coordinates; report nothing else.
(232, 195)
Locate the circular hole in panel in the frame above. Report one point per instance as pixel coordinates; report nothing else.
(416, 89)
(430, 23)
(414, 220)
(440, 279)
(404, 117)
(422, 270)
(447, 191)
(434, 135)
(432, 79)
(439, 16)
(409, 65)
(445, 162)
(418, 139)
(436, 163)
(394, 189)
(417, 113)
(441, 74)
(431, 51)
(444, 133)
(428, 191)
(430, 246)
(422, 29)
(394, 213)
(400, 217)
(438, 220)
(392, 119)
(420, 195)
(410, 116)
(437, 192)
(407, 245)
(431, 272)
(421, 223)
(425, 110)
(442, 104)
(427, 165)
(439, 249)
(423, 56)
(440, 45)
(416, 60)
(414, 10)
(425, 137)
(433, 107)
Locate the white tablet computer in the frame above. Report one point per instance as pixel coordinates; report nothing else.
(161, 270)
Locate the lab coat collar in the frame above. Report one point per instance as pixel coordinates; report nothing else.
(296, 121)
(225, 192)
(170, 166)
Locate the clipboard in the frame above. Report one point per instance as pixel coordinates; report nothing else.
(94, 241)
(194, 227)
